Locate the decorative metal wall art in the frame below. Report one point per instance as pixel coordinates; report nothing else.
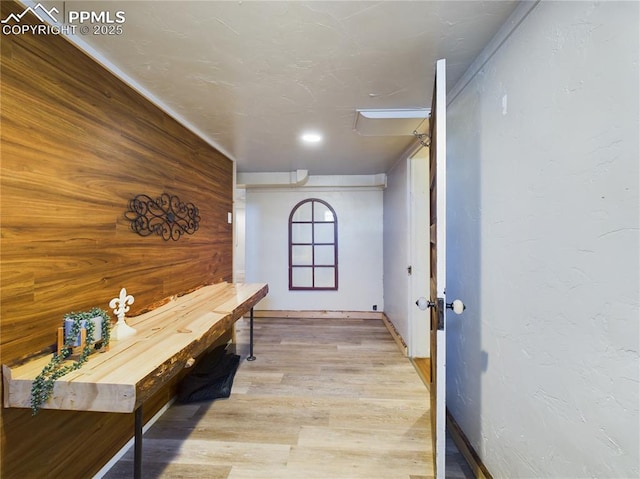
(165, 216)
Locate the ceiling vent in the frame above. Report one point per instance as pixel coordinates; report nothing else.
(391, 122)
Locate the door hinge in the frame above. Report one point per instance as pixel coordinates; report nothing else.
(409, 270)
(423, 138)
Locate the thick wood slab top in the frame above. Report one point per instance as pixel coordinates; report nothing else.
(121, 379)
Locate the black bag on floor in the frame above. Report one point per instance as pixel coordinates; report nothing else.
(211, 378)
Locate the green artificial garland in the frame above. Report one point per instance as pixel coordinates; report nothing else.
(42, 386)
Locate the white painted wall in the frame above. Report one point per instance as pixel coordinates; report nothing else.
(543, 367)
(419, 234)
(406, 236)
(239, 235)
(359, 212)
(396, 248)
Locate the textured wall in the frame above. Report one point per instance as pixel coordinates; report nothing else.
(406, 225)
(76, 145)
(359, 215)
(543, 247)
(396, 248)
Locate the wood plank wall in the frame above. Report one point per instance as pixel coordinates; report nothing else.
(76, 145)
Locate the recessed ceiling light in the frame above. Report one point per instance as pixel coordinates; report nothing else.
(311, 137)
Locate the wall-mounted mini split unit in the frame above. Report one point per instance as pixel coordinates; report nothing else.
(399, 122)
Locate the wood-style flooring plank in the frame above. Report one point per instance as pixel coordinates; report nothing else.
(326, 398)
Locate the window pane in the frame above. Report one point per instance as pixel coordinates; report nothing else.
(303, 213)
(301, 233)
(321, 212)
(323, 233)
(301, 255)
(324, 255)
(301, 277)
(324, 277)
(313, 246)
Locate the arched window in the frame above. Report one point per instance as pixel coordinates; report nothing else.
(313, 246)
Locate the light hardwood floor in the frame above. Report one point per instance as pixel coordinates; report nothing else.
(324, 399)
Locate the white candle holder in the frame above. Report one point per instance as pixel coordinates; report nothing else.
(120, 306)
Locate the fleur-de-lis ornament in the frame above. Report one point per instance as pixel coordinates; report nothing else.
(120, 306)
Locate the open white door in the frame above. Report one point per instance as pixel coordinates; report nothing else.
(437, 302)
(438, 242)
(438, 207)
(437, 254)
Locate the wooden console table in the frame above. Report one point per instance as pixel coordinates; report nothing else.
(123, 378)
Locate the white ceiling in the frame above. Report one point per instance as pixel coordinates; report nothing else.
(250, 76)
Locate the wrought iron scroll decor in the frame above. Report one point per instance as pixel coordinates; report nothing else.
(165, 216)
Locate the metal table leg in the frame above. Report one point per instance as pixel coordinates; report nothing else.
(137, 451)
(251, 356)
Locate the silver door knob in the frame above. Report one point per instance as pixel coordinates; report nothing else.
(457, 306)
